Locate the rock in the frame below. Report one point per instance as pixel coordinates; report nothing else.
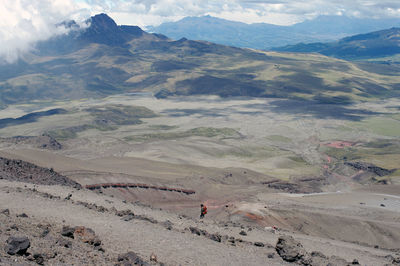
(318, 254)
(153, 257)
(14, 227)
(45, 233)
(197, 231)
(22, 215)
(6, 212)
(86, 235)
(215, 237)
(39, 259)
(128, 218)
(167, 224)
(17, 245)
(355, 262)
(258, 244)
(290, 250)
(68, 197)
(124, 213)
(68, 231)
(64, 243)
(243, 233)
(383, 205)
(131, 258)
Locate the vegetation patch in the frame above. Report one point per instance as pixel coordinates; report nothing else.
(120, 114)
(162, 127)
(279, 138)
(105, 118)
(207, 132)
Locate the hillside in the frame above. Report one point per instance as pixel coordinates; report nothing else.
(370, 45)
(106, 59)
(265, 36)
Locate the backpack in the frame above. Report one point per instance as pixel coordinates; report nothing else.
(204, 209)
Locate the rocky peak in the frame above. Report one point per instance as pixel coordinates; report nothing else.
(102, 23)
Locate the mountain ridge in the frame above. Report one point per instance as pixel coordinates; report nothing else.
(105, 59)
(369, 45)
(264, 36)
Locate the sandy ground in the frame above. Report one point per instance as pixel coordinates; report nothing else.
(173, 247)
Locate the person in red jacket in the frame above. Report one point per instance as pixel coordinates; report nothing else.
(203, 211)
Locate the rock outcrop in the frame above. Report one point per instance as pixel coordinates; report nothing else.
(17, 245)
(18, 170)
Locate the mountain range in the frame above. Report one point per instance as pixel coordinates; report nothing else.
(105, 59)
(265, 36)
(370, 45)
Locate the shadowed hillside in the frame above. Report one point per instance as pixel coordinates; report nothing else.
(105, 59)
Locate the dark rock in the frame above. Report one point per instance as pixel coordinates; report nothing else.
(167, 224)
(17, 245)
(355, 262)
(6, 212)
(45, 233)
(14, 227)
(128, 218)
(131, 258)
(68, 231)
(124, 213)
(243, 233)
(39, 259)
(68, 197)
(318, 254)
(383, 205)
(215, 237)
(99, 248)
(259, 244)
(290, 250)
(197, 231)
(271, 255)
(370, 168)
(64, 243)
(22, 215)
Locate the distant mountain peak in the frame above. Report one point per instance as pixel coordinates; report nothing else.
(102, 21)
(103, 29)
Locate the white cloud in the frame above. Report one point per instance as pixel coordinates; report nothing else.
(24, 22)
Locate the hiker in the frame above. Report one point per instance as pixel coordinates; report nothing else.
(203, 211)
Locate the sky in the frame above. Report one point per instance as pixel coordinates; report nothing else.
(24, 22)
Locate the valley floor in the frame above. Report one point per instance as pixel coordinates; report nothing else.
(330, 181)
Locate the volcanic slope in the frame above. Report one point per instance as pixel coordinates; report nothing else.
(106, 59)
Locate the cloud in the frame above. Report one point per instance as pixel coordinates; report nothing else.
(24, 22)
(282, 12)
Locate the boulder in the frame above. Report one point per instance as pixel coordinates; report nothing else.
(6, 212)
(17, 245)
(131, 258)
(291, 250)
(243, 233)
(259, 244)
(86, 235)
(68, 231)
(39, 259)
